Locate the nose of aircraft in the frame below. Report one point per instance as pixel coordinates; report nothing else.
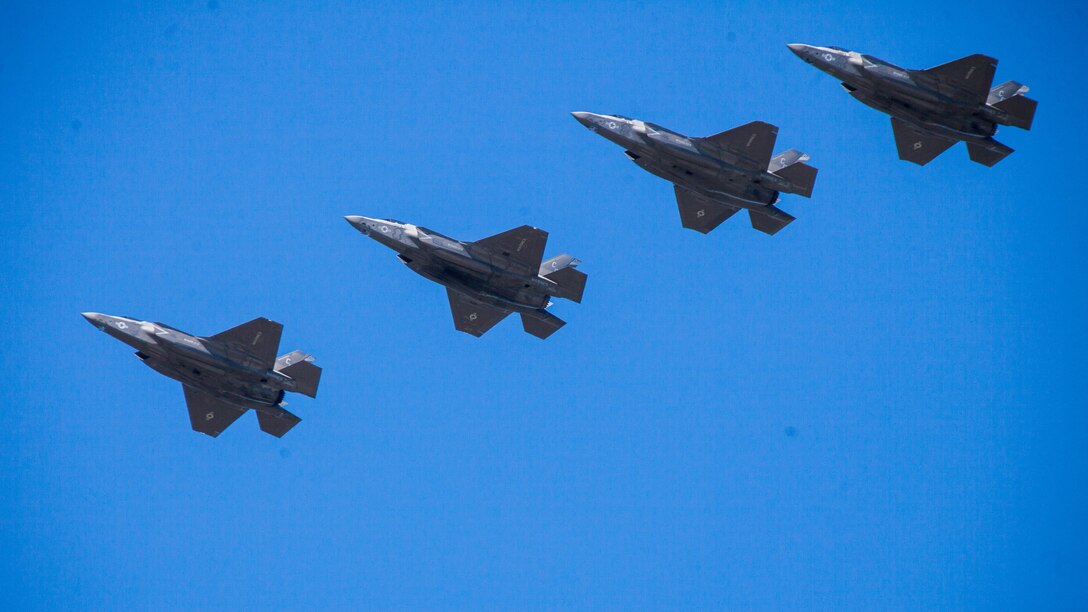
(92, 317)
(798, 49)
(583, 117)
(359, 223)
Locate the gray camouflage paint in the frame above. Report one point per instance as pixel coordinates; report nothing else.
(931, 109)
(223, 375)
(487, 279)
(719, 170)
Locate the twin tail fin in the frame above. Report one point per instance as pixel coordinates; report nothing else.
(299, 366)
(791, 166)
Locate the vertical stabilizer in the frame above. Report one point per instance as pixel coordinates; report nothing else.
(569, 283)
(299, 366)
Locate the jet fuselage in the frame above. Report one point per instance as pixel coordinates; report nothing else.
(463, 267)
(217, 369)
(910, 95)
(720, 175)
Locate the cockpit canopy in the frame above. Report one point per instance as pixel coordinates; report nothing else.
(652, 128)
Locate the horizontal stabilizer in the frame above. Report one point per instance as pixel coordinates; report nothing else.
(802, 178)
(1021, 111)
(570, 283)
(699, 212)
(208, 414)
(276, 421)
(769, 219)
(259, 337)
(988, 154)
(543, 327)
(299, 366)
(917, 146)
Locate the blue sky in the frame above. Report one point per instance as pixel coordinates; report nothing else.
(882, 406)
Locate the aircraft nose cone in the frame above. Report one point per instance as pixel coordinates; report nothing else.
(797, 48)
(97, 319)
(360, 223)
(582, 117)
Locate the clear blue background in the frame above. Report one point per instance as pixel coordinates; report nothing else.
(883, 406)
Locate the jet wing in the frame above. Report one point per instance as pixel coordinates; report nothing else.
(208, 414)
(972, 75)
(260, 338)
(915, 146)
(471, 316)
(522, 246)
(700, 213)
(754, 141)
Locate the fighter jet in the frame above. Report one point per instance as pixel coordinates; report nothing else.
(716, 176)
(932, 109)
(222, 375)
(488, 279)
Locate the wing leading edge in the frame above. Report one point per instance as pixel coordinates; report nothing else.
(471, 316)
(259, 337)
(973, 75)
(210, 415)
(753, 141)
(700, 213)
(916, 146)
(522, 246)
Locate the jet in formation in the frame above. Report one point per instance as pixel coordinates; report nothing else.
(222, 375)
(488, 279)
(716, 176)
(932, 109)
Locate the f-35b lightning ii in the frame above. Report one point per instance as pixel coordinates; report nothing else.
(716, 176)
(488, 279)
(223, 375)
(932, 109)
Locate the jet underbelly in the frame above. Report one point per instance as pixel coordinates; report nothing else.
(236, 388)
(949, 120)
(732, 186)
(956, 127)
(457, 261)
(248, 395)
(757, 199)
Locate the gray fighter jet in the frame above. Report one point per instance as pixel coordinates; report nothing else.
(932, 109)
(487, 279)
(222, 375)
(716, 176)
